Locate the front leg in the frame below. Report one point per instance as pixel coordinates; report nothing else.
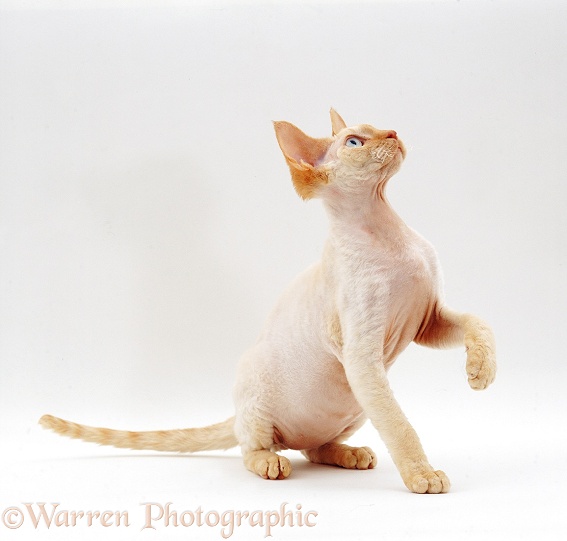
(369, 384)
(448, 328)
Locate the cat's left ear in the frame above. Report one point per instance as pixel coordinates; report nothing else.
(337, 122)
(303, 155)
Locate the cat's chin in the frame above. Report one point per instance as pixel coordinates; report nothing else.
(394, 165)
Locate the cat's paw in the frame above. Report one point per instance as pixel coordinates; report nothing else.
(356, 458)
(276, 467)
(344, 456)
(268, 465)
(431, 482)
(481, 365)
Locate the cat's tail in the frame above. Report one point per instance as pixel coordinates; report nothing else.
(187, 440)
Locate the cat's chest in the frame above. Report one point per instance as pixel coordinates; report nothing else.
(391, 279)
(411, 267)
(392, 262)
(387, 295)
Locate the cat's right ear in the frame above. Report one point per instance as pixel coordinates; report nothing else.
(303, 155)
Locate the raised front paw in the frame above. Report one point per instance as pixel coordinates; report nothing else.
(481, 364)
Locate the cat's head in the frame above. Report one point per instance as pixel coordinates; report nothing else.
(355, 159)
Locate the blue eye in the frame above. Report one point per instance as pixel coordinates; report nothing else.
(354, 142)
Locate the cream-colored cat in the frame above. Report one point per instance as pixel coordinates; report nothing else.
(318, 369)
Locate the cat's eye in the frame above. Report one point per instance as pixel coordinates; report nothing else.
(354, 142)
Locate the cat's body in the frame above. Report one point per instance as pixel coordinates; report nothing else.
(307, 366)
(318, 369)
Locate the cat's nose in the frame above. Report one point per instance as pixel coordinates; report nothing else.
(391, 135)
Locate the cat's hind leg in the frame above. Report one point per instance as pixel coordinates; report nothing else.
(257, 439)
(256, 435)
(336, 453)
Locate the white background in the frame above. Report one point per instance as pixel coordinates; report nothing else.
(148, 224)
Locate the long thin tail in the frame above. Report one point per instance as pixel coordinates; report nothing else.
(188, 440)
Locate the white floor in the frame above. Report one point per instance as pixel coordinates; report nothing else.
(507, 484)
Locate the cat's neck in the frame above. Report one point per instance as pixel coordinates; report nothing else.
(367, 220)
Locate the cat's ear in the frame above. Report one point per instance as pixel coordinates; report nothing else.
(337, 122)
(303, 155)
(299, 147)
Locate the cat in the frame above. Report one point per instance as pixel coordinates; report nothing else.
(318, 370)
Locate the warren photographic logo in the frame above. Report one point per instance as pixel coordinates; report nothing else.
(155, 516)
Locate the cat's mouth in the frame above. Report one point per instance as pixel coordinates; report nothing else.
(390, 150)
